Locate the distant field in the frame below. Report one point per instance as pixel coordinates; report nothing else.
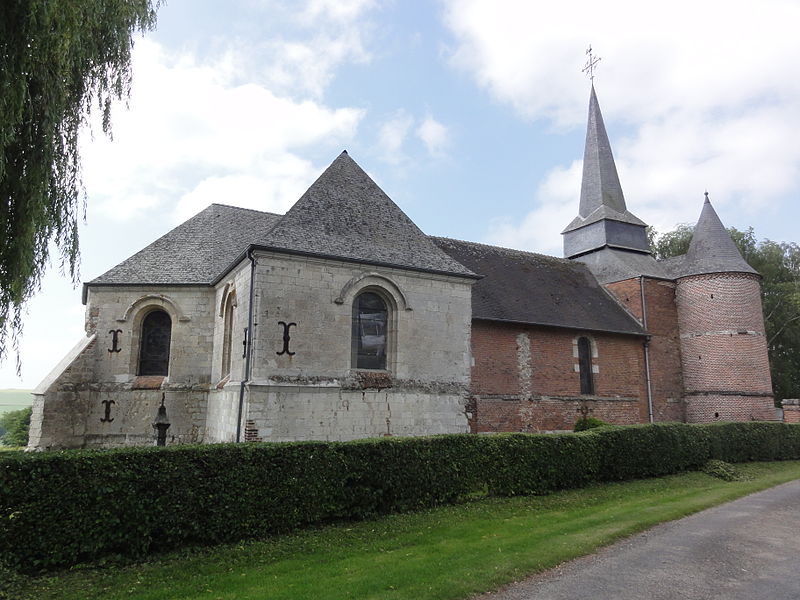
(14, 400)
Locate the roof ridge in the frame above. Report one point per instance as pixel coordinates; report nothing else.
(261, 212)
(506, 249)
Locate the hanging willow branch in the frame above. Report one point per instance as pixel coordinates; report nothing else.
(58, 60)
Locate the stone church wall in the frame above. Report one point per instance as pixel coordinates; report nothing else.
(526, 378)
(307, 389)
(99, 397)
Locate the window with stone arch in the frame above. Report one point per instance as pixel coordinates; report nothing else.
(154, 343)
(370, 331)
(585, 365)
(228, 314)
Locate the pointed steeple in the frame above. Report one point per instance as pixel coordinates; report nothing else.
(712, 250)
(603, 219)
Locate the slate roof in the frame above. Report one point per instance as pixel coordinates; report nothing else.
(612, 264)
(196, 251)
(523, 287)
(712, 250)
(345, 214)
(601, 191)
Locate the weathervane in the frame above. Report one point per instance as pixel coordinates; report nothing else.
(591, 64)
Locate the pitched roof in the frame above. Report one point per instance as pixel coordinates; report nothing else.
(612, 264)
(196, 251)
(601, 191)
(523, 287)
(345, 214)
(712, 250)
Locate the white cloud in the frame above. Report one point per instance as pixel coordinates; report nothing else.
(556, 201)
(434, 135)
(188, 127)
(302, 60)
(705, 95)
(392, 135)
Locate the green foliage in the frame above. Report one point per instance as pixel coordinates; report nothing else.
(722, 470)
(62, 508)
(58, 58)
(779, 265)
(671, 243)
(15, 423)
(585, 423)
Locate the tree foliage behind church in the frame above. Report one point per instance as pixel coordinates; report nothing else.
(58, 59)
(779, 265)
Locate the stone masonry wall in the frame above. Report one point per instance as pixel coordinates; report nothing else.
(100, 400)
(666, 377)
(526, 378)
(312, 391)
(723, 348)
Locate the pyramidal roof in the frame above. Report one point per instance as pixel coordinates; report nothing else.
(601, 191)
(712, 250)
(344, 214)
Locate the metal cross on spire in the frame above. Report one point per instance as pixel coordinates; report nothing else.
(591, 63)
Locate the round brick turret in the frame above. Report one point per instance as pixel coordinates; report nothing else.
(723, 343)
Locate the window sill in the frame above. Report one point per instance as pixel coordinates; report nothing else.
(148, 382)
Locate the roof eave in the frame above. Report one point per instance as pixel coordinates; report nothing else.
(557, 326)
(263, 248)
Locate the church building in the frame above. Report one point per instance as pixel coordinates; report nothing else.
(342, 320)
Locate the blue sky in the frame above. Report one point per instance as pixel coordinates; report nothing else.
(469, 113)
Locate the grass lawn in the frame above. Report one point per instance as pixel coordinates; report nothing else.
(451, 552)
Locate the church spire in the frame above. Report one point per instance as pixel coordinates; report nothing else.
(600, 184)
(603, 219)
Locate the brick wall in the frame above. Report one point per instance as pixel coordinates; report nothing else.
(723, 348)
(525, 378)
(666, 380)
(791, 410)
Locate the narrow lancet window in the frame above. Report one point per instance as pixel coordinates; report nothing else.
(227, 338)
(585, 365)
(370, 320)
(154, 346)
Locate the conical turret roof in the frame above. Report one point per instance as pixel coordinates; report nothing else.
(712, 250)
(601, 191)
(345, 214)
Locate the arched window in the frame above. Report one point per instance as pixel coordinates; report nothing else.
(370, 328)
(585, 365)
(228, 315)
(154, 344)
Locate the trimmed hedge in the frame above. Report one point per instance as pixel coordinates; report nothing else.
(61, 508)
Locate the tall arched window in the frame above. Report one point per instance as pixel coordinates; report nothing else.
(154, 344)
(370, 331)
(585, 365)
(228, 315)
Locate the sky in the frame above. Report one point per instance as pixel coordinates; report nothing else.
(470, 114)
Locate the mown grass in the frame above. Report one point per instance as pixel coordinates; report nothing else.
(445, 553)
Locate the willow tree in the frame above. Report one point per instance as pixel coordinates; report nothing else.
(59, 60)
